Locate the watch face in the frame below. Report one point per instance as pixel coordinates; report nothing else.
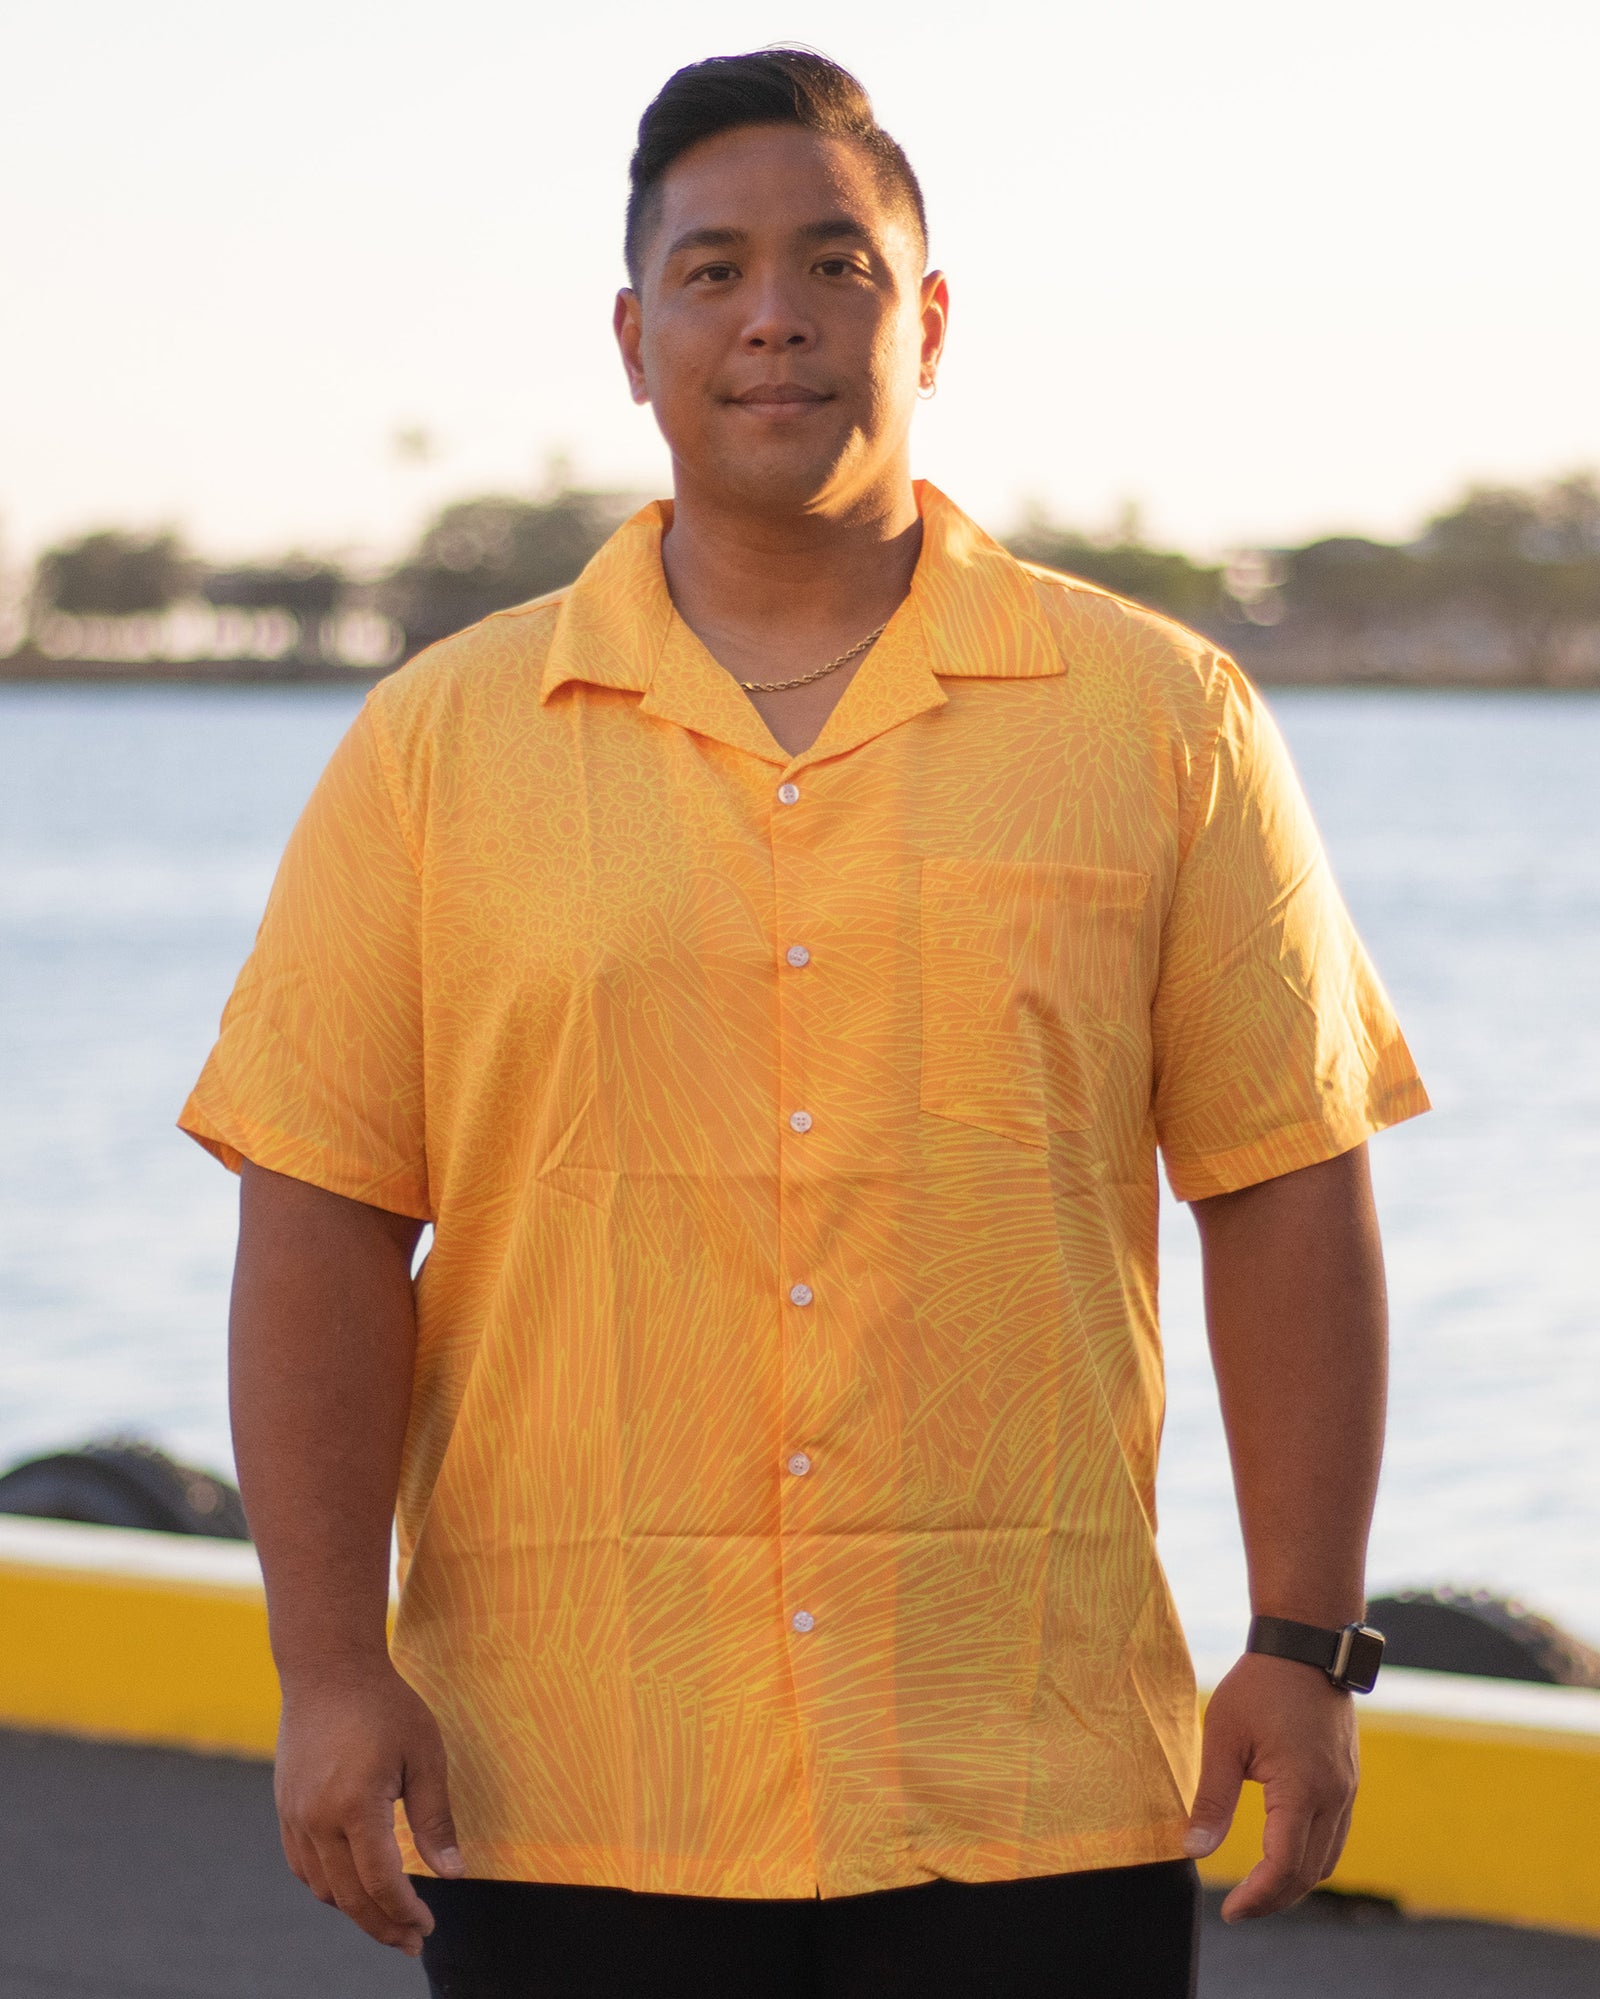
(1365, 1657)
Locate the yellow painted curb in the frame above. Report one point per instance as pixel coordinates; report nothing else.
(1478, 1798)
(115, 1638)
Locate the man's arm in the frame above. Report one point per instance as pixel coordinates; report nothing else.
(322, 1342)
(1297, 1318)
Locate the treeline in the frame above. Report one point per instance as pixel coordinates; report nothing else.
(1504, 584)
(128, 596)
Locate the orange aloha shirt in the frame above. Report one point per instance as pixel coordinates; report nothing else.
(777, 1512)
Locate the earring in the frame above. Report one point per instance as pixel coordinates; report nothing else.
(928, 391)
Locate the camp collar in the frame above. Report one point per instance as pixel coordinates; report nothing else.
(972, 612)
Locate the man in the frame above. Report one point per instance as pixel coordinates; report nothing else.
(771, 966)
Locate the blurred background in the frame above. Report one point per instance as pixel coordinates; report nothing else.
(1282, 322)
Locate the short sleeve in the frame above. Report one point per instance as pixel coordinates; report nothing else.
(318, 1071)
(1275, 1045)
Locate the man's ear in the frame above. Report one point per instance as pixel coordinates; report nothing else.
(935, 323)
(627, 325)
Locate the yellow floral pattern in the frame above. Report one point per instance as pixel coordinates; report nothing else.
(777, 1512)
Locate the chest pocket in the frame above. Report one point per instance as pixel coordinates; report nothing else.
(1024, 976)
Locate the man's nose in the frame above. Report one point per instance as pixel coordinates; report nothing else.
(775, 323)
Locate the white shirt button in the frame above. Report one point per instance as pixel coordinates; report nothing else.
(803, 1621)
(800, 1294)
(788, 794)
(799, 1464)
(798, 955)
(799, 1120)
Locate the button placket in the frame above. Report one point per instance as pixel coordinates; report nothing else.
(800, 1320)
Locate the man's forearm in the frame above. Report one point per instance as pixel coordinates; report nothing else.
(322, 1344)
(322, 1341)
(1297, 1316)
(1295, 1308)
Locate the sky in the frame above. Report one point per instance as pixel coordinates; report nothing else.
(1262, 270)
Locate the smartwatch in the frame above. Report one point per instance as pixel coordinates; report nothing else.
(1350, 1657)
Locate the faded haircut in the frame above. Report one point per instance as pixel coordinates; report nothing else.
(766, 87)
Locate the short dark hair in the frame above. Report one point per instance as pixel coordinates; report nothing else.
(766, 87)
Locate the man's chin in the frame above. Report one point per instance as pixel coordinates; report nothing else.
(770, 481)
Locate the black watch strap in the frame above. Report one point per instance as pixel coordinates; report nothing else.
(1350, 1656)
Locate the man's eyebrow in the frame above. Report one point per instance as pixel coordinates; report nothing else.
(706, 239)
(832, 229)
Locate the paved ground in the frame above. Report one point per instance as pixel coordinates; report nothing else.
(147, 1874)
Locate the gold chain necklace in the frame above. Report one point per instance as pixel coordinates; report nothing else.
(805, 679)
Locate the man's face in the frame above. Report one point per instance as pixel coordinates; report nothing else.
(782, 321)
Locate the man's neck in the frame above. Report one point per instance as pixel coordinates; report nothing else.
(774, 597)
(794, 584)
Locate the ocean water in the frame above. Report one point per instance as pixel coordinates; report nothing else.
(139, 828)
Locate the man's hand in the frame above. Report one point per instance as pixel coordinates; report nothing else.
(348, 1747)
(1284, 1726)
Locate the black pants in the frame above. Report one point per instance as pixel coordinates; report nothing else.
(1115, 1933)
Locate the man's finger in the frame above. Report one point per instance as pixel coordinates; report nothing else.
(375, 1853)
(303, 1863)
(427, 1805)
(350, 1892)
(1279, 1877)
(1324, 1845)
(1339, 1840)
(1222, 1768)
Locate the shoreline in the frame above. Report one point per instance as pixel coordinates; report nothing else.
(34, 670)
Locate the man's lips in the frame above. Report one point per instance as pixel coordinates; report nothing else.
(770, 395)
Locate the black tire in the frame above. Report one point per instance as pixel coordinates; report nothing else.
(1487, 1637)
(125, 1485)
